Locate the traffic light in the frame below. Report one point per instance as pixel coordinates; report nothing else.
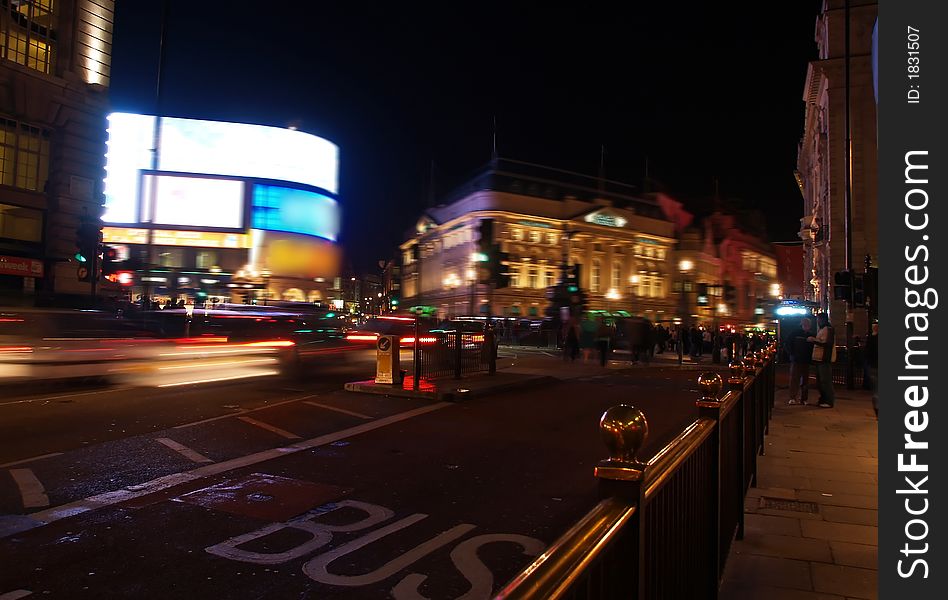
(702, 294)
(574, 278)
(109, 259)
(499, 268)
(485, 240)
(843, 286)
(88, 238)
(859, 291)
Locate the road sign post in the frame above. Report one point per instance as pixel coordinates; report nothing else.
(387, 367)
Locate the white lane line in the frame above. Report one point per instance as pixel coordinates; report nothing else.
(16, 595)
(44, 399)
(32, 491)
(216, 379)
(337, 409)
(184, 450)
(242, 411)
(27, 460)
(276, 430)
(105, 499)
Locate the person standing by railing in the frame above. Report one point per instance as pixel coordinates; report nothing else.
(871, 359)
(800, 351)
(823, 355)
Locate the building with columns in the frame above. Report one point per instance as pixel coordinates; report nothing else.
(822, 156)
(545, 220)
(55, 58)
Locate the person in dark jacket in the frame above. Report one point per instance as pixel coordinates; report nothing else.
(826, 339)
(801, 353)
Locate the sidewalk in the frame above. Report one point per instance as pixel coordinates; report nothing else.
(811, 529)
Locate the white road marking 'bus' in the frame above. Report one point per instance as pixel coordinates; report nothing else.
(162, 483)
(337, 409)
(28, 460)
(16, 595)
(32, 491)
(184, 450)
(276, 430)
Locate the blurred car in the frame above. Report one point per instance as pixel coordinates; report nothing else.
(404, 327)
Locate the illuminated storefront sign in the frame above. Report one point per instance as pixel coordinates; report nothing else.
(605, 219)
(23, 267)
(167, 237)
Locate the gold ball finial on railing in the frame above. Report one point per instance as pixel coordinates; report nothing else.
(710, 384)
(623, 430)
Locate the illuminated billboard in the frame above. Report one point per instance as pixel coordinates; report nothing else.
(188, 201)
(278, 208)
(209, 148)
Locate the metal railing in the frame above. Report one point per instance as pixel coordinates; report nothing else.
(665, 527)
(455, 354)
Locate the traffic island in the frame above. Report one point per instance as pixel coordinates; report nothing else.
(450, 389)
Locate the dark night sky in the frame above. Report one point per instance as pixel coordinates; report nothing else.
(703, 90)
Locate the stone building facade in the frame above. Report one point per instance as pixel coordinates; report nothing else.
(544, 219)
(55, 58)
(822, 155)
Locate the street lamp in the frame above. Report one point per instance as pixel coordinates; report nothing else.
(611, 294)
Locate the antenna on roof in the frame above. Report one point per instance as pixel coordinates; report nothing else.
(493, 154)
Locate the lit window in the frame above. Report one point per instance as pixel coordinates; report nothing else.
(205, 259)
(21, 224)
(595, 284)
(517, 234)
(27, 37)
(550, 278)
(514, 275)
(551, 238)
(533, 277)
(616, 275)
(24, 155)
(535, 237)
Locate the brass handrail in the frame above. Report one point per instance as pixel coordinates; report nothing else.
(663, 465)
(553, 572)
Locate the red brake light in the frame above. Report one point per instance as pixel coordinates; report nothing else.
(357, 337)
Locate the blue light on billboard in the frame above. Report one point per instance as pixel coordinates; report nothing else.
(276, 208)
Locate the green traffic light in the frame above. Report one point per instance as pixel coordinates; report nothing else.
(80, 257)
(573, 288)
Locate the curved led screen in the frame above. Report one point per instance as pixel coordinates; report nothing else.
(209, 148)
(277, 208)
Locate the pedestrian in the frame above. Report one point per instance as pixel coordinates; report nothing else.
(571, 337)
(603, 335)
(823, 355)
(588, 330)
(800, 352)
(872, 365)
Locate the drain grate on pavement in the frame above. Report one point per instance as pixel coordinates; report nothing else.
(792, 505)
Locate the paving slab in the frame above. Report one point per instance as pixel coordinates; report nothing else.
(826, 546)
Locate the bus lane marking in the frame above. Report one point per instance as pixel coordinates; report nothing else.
(31, 490)
(464, 556)
(242, 411)
(339, 410)
(271, 428)
(184, 451)
(113, 497)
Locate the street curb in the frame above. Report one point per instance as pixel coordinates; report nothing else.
(456, 392)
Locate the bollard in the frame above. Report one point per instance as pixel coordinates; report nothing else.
(458, 353)
(416, 357)
(624, 430)
(489, 336)
(736, 380)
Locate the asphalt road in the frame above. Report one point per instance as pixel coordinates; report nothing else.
(277, 489)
